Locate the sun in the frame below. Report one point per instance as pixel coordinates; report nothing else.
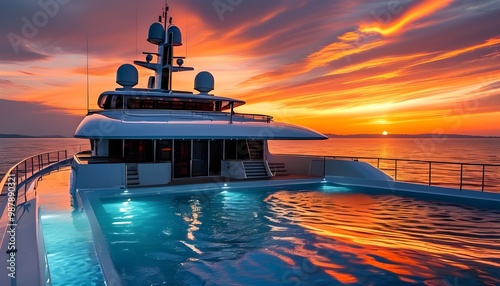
(384, 133)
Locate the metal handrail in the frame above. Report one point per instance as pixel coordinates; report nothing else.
(189, 114)
(429, 169)
(397, 169)
(27, 168)
(14, 182)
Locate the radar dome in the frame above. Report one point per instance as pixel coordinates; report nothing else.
(127, 76)
(204, 82)
(176, 35)
(156, 34)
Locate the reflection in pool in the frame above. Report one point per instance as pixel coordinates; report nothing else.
(325, 235)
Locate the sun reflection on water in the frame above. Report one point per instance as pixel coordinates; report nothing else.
(391, 234)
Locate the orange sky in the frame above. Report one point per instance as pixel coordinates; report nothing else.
(340, 67)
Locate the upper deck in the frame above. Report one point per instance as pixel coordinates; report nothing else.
(162, 99)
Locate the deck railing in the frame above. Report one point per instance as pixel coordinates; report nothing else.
(18, 177)
(471, 176)
(193, 115)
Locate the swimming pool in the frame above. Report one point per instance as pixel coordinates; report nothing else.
(309, 235)
(67, 235)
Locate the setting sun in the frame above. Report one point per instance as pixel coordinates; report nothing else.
(384, 133)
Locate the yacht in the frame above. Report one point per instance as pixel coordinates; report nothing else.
(155, 141)
(157, 135)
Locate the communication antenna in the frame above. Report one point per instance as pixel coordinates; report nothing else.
(186, 37)
(136, 20)
(165, 16)
(88, 92)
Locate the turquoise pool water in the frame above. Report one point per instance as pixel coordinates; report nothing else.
(313, 235)
(67, 235)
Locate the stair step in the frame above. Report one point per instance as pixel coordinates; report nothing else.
(278, 169)
(132, 176)
(257, 174)
(255, 169)
(276, 164)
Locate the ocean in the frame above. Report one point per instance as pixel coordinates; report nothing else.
(13, 150)
(461, 150)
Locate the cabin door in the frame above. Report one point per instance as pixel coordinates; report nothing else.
(199, 163)
(182, 158)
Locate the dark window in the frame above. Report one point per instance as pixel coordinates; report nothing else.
(216, 152)
(200, 158)
(231, 149)
(182, 158)
(164, 105)
(115, 148)
(164, 150)
(147, 104)
(104, 101)
(177, 105)
(132, 103)
(242, 150)
(139, 150)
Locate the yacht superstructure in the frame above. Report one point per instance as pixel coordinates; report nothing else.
(150, 136)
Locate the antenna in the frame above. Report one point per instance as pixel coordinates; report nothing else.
(88, 102)
(165, 13)
(136, 23)
(186, 37)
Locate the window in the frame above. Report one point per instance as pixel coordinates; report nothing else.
(139, 151)
(231, 147)
(104, 101)
(200, 158)
(242, 150)
(164, 150)
(115, 148)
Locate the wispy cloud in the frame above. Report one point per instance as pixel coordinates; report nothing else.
(406, 66)
(420, 10)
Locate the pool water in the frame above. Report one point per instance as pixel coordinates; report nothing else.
(319, 235)
(67, 236)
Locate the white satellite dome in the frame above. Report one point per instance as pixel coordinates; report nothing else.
(156, 34)
(204, 82)
(127, 76)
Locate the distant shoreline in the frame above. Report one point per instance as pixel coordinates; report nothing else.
(30, 136)
(329, 136)
(437, 136)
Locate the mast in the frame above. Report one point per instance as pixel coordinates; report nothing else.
(166, 37)
(168, 52)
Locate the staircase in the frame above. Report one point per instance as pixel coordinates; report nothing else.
(255, 169)
(132, 175)
(278, 169)
(255, 149)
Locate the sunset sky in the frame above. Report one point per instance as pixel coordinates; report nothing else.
(342, 67)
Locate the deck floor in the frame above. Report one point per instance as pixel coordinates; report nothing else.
(218, 179)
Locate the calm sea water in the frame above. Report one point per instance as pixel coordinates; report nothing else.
(13, 150)
(481, 150)
(457, 150)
